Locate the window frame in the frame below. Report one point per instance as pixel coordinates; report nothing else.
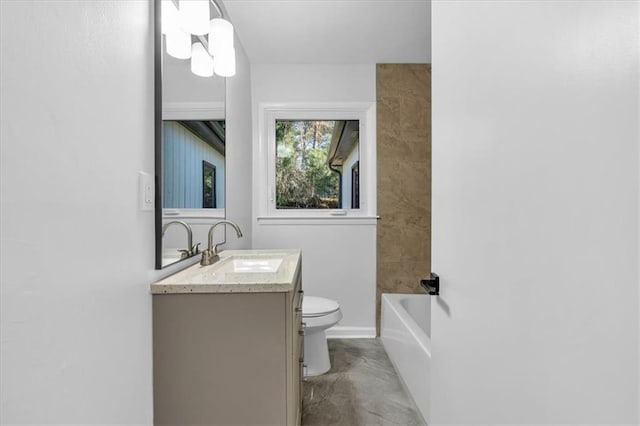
(265, 158)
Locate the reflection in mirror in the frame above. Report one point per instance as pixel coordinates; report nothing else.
(190, 154)
(193, 176)
(193, 164)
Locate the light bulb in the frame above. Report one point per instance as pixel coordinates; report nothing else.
(224, 62)
(194, 16)
(179, 44)
(201, 62)
(169, 15)
(220, 35)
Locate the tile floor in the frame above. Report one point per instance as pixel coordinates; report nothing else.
(361, 389)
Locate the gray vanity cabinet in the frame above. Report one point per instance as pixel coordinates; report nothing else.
(227, 358)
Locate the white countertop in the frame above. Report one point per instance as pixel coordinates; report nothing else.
(218, 278)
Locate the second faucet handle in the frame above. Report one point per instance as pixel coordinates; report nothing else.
(208, 257)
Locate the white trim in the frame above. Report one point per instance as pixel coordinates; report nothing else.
(193, 213)
(193, 111)
(209, 221)
(319, 220)
(268, 112)
(340, 332)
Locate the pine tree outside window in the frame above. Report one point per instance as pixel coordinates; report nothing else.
(311, 158)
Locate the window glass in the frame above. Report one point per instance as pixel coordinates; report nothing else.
(314, 164)
(355, 185)
(208, 185)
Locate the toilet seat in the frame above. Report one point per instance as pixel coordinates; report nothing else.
(313, 307)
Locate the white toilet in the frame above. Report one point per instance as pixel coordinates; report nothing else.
(318, 314)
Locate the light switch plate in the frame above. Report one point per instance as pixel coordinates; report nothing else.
(146, 191)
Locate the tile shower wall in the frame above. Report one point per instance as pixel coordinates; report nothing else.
(403, 93)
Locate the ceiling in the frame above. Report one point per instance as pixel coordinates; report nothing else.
(333, 31)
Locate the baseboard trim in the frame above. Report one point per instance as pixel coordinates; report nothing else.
(339, 332)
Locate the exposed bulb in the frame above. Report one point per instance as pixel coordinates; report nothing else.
(225, 62)
(169, 14)
(201, 62)
(194, 16)
(220, 35)
(179, 44)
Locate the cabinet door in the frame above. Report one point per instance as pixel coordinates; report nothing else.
(219, 359)
(295, 358)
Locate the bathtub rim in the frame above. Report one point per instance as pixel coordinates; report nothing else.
(393, 302)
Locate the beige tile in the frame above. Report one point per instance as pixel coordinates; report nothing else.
(404, 177)
(402, 276)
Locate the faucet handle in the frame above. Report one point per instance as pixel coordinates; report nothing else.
(184, 254)
(194, 250)
(206, 258)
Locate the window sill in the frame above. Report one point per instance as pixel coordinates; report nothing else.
(317, 220)
(193, 214)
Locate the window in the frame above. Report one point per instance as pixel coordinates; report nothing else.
(355, 185)
(208, 185)
(310, 158)
(316, 161)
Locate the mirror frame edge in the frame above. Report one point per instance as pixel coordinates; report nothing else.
(157, 125)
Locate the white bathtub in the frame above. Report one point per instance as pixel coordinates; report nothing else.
(405, 330)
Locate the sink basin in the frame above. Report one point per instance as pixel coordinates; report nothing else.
(250, 263)
(242, 268)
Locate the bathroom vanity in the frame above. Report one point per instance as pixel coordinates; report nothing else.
(227, 341)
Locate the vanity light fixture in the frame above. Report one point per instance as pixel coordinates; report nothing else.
(224, 63)
(178, 44)
(169, 16)
(221, 47)
(201, 62)
(220, 35)
(185, 24)
(193, 16)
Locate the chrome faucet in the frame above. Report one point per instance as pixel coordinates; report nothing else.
(210, 254)
(191, 250)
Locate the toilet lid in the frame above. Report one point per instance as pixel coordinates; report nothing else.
(317, 306)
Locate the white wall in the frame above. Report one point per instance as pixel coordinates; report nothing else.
(535, 212)
(339, 261)
(76, 126)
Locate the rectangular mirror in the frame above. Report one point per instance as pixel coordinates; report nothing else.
(190, 148)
